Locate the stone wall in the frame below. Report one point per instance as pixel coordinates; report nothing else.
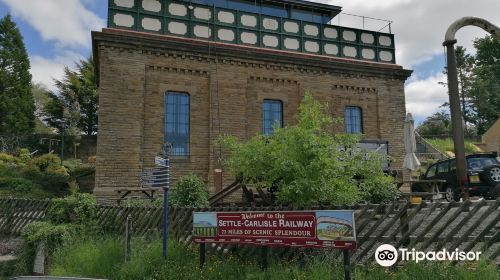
(226, 90)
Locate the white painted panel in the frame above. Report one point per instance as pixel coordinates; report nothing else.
(311, 30)
(385, 55)
(367, 38)
(177, 9)
(249, 38)
(385, 41)
(151, 5)
(270, 41)
(330, 33)
(291, 43)
(177, 28)
(291, 27)
(248, 20)
(350, 51)
(225, 35)
(270, 23)
(152, 24)
(311, 46)
(331, 49)
(225, 17)
(123, 20)
(202, 31)
(349, 35)
(202, 13)
(368, 54)
(124, 3)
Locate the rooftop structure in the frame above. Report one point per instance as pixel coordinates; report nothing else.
(289, 25)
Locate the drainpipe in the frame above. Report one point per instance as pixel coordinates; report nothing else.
(456, 114)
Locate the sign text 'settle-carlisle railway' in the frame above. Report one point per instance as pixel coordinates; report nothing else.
(325, 228)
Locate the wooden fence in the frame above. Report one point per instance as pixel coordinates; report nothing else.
(467, 226)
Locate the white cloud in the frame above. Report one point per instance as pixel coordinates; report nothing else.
(45, 70)
(424, 96)
(66, 22)
(419, 25)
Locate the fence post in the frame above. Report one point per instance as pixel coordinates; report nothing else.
(128, 232)
(202, 254)
(263, 258)
(405, 226)
(347, 265)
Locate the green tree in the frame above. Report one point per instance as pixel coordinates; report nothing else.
(17, 109)
(439, 124)
(465, 64)
(485, 89)
(306, 163)
(74, 107)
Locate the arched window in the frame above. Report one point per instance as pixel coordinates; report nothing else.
(177, 122)
(353, 119)
(272, 114)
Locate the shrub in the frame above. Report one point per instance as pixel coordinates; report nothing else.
(6, 158)
(24, 155)
(190, 191)
(78, 208)
(49, 163)
(16, 184)
(308, 164)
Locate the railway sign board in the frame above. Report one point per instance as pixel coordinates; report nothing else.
(324, 229)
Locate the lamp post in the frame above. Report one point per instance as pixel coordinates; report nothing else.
(456, 114)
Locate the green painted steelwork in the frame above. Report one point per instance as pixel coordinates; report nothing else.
(197, 21)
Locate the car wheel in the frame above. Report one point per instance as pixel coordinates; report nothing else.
(450, 194)
(492, 175)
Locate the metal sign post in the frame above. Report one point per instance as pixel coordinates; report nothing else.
(165, 163)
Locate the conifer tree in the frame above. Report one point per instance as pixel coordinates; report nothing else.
(17, 108)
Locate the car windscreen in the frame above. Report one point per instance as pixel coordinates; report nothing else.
(480, 163)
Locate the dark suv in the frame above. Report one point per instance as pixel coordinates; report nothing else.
(483, 175)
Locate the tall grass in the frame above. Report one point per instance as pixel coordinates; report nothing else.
(104, 258)
(446, 145)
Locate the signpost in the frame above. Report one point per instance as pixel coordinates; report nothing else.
(158, 177)
(317, 229)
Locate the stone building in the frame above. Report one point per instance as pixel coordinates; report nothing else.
(186, 72)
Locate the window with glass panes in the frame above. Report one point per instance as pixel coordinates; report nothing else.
(353, 119)
(272, 114)
(177, 122)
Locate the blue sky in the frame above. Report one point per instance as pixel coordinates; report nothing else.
(57, 33)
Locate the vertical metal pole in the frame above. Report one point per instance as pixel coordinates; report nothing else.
(165, 221)
(202, 254)
(128, 231)
(347, 265)
(456, 117)
(263, 258)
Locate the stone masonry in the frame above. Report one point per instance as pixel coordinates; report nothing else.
(227, 85)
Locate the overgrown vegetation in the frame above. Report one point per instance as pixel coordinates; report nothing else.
(307, 163)
(189, 191)
(67, 219)
(104, 258)
(45, 176)
(446, 145)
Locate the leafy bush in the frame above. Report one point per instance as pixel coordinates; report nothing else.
(307, 163)
(49, 163)
(6, 158)
(189, 191)
(24, 155)
(16, 184)
(78, 208)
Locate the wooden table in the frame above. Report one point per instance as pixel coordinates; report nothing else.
(124, 192)
(432, 188)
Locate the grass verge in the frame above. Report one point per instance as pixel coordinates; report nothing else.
(104, 258)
